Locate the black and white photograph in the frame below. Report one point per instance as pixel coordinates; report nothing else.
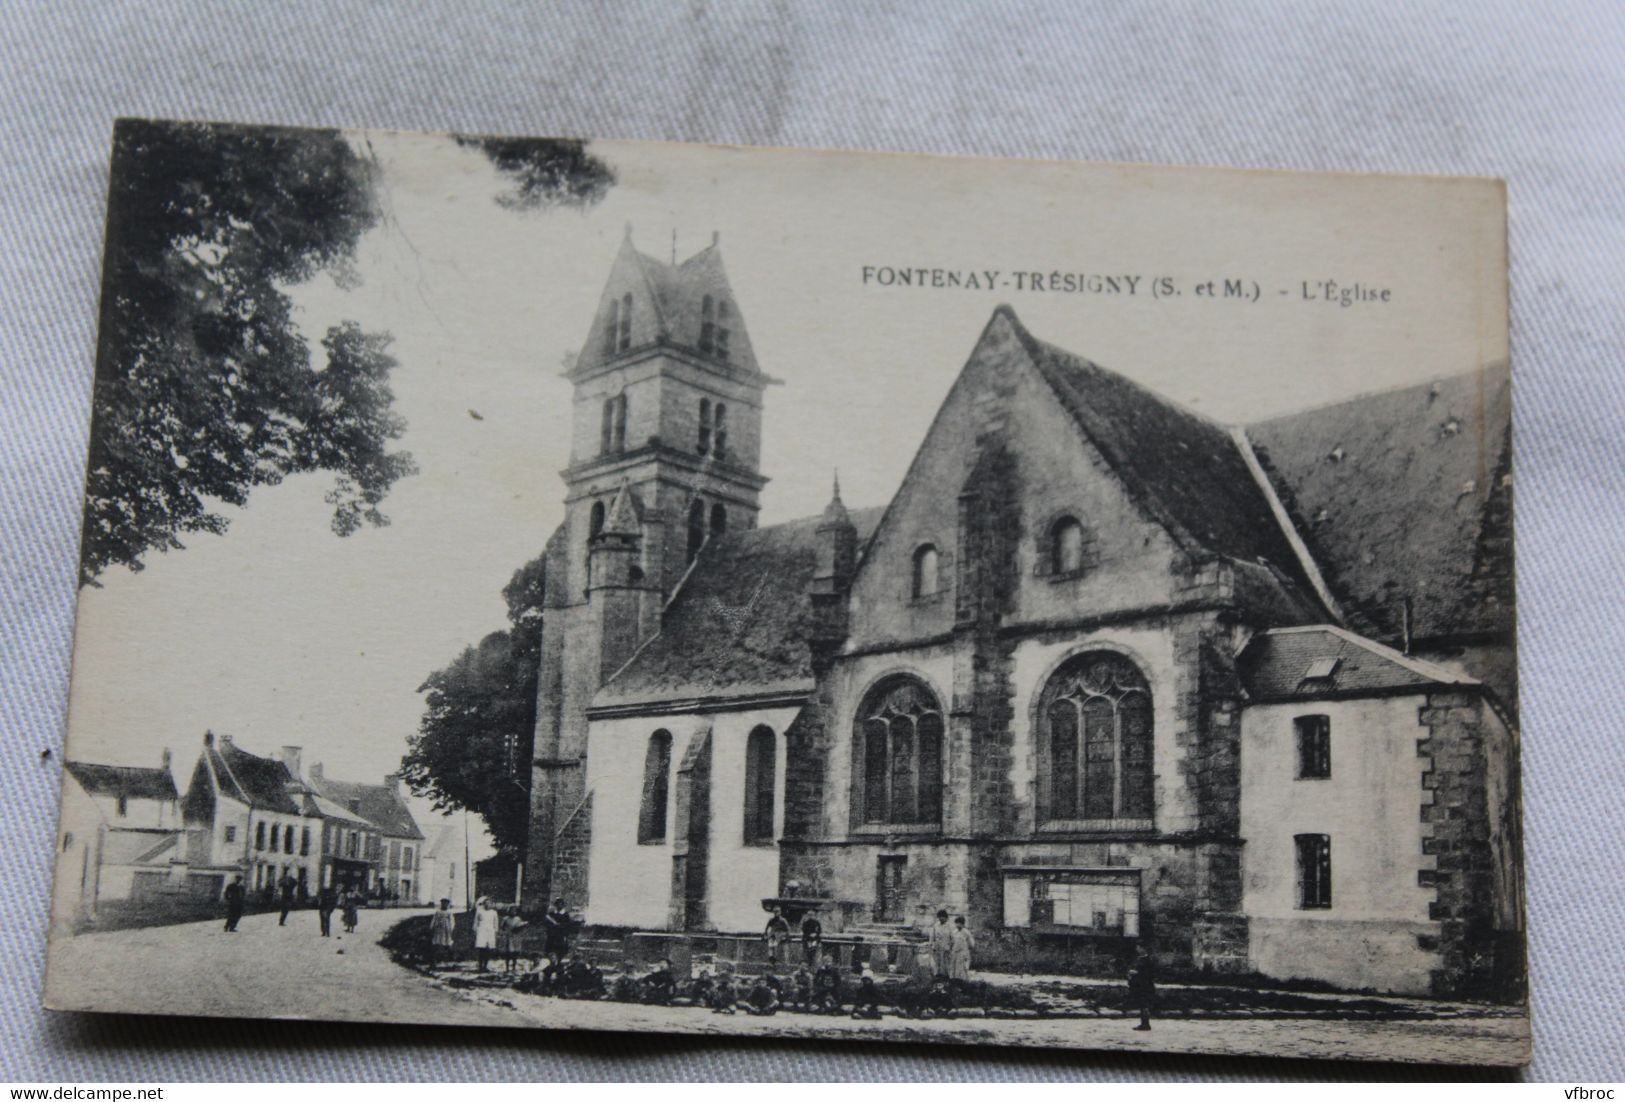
(674, 588)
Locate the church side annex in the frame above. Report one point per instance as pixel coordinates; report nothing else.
(1102, 675)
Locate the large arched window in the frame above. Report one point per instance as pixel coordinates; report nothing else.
(898, 735)
(721, 449)
(719, 519)
(704, 444)
(656, 783)
(595, 523)
(926, 567)
(696, 528)
(1094, 734)
(1066, 546)
(626, 322)
(761, 765)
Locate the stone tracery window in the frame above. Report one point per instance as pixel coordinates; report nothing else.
(898, 737)
(1095, 739)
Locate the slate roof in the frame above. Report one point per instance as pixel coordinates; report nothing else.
(376, 803)
(1275, 664)
(678, 292)
(134, 781)
(1186, 470)
(738, 623)
(256, 781)
(1405, 494)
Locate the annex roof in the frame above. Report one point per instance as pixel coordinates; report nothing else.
(1303, 663)
(378, 804)
(256, 781)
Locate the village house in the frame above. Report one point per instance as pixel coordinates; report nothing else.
(117, 836)
(261, 817)
(1102, 674)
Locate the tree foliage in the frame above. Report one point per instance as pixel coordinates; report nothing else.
(205, 387)
(545, 172)
(472, 748)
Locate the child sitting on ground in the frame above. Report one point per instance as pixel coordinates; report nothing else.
(723, 994)
(763, 999)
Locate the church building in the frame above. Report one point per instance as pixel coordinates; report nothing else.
(1102, 674)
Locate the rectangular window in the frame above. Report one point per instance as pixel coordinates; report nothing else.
(1314, 747)
(1314, 871)
(231, 834)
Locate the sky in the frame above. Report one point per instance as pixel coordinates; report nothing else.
(280, 633)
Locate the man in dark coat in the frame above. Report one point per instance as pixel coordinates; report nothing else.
(327, 901)
(235, 897)
(1142, 986)
(560, 925)
(812, 940)
(290, 891)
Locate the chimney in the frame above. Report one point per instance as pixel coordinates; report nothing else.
(163, 761)
(225, 740)
(290, 758)
(208, 738)
(392, 781)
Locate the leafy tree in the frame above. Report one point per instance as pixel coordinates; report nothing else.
(205, 387)
(473, 745)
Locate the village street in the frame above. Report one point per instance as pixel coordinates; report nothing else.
(261, 971)
(291, 972)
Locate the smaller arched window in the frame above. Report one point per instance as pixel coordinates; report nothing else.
(612, 426)
(761, 765)
(656, 784)
(696, 528)
(704, 446)
(927, 565)
(722, 430)
(707, 324)
(595, 523)
(626, 322)
(1066, 546)
(722, 330)
(612, 328)
(719, 519)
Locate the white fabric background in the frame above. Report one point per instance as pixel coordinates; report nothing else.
(1535, 93)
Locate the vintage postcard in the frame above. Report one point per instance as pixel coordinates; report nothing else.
(609, 585)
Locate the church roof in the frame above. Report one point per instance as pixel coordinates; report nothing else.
(677, 292)
(134, 781)
(1184, 469)
(1306, 663)
(1405, 494)
(737, 625)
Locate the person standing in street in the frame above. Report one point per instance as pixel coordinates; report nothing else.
(327, 900)
(351, 902)
(812, 940)
(560, 925)
(960, 944)
(1142, 986)
(776, 934)
(442, 929)
(290, 890)
(234, 903)
(486, 921)
(941, 945)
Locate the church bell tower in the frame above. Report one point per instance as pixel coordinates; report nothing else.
(665, 453)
